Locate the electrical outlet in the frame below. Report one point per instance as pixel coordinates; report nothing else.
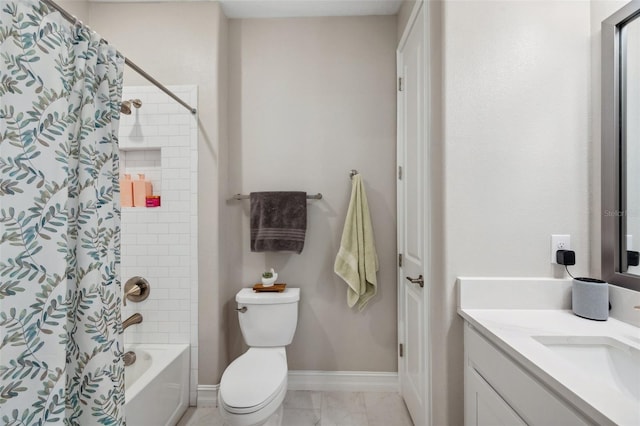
(559, 242)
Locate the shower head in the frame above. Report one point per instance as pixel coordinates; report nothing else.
(125, 106)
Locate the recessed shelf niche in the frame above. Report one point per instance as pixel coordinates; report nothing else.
(147, 161)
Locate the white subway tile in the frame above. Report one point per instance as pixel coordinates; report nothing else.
(180, 228)
(178, 162)
(185, 328)
(166, 282)
(149, 108)
(169, 327)
(146, 327)
(158, 272)
(160, 294)
(179, 119)
(166, 305)
(148, 239)
(159, 98)
(169, 261)
(178, 316)
(180, 294)
(135, 250)
(148, 260)
(181, 141)
(179, 250)
(166, 239)
(158, 228)
(158, 338)
(179, 338)
(146, 306)
(172, 217)
(170, 108)
(145, 132)
(158, 250)
(161, 244)
(156, 119)
(153, 315)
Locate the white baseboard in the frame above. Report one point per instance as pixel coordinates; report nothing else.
(208, 395)
(325, 381)
(348, 381)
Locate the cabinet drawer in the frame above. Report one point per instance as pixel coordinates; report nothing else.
(531, 400)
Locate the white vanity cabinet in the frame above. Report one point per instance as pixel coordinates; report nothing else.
(498, 391)
(529, 360)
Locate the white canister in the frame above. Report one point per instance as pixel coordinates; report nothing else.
(590, 298)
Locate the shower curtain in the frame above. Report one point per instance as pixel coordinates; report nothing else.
(60, 326)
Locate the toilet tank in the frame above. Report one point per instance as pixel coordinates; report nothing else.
(270, 319)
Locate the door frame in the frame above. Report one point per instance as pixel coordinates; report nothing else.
(428, 273)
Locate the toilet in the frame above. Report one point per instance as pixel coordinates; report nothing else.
(253, 386)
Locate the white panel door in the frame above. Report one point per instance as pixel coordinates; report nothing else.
(412, 230)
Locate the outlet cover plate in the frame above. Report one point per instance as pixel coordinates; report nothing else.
(559, 242)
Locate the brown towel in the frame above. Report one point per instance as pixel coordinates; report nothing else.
(278, 221)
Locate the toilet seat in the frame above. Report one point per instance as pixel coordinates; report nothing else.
(253, 380)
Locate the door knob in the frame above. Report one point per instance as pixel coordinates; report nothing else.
(418, 280)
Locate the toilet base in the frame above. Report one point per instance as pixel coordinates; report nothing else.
(256, 419)
(275, 419)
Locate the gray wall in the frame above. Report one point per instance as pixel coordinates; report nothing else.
(311, 99)
(78, 8)
(511, 115)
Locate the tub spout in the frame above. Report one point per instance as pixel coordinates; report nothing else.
(133, 319)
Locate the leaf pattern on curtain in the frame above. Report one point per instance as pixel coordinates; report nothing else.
(60, 327)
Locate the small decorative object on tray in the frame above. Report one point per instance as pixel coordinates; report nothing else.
(259, 288)
(269, 278)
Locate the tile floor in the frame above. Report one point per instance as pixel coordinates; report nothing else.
(310, 408)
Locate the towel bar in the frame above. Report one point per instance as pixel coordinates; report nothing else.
(317, 196)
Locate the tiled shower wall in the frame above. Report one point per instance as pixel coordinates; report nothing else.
(160, 243)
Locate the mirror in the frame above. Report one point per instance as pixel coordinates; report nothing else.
(621, 147)
(630, 110)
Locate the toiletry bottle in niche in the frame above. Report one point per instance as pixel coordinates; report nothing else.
(126, 191)
(141, 189)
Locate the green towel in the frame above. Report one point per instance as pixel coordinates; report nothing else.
(357, 260)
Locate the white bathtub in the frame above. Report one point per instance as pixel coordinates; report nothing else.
(157, 384)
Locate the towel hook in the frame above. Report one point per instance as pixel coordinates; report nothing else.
(353, 173)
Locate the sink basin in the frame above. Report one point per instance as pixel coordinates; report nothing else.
(603, 358)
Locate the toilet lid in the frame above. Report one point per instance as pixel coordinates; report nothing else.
(253, 380)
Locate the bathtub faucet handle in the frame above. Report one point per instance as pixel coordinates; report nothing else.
(129, 358)
(136, 289)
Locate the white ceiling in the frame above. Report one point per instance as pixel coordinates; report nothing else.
(297, 8)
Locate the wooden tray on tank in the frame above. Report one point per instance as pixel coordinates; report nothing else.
(259, 288)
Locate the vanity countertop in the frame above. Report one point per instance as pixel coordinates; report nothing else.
(514, 331)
